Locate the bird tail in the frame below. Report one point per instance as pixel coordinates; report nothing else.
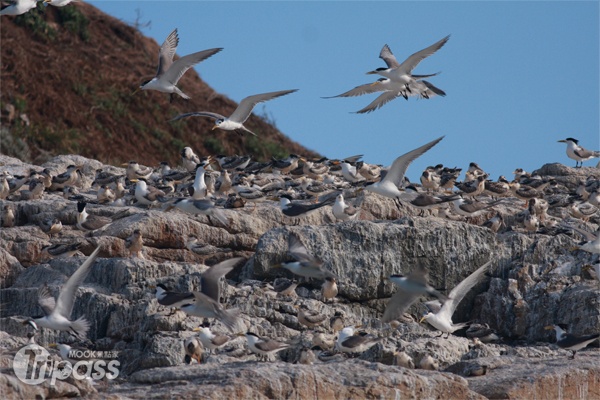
(80, 327)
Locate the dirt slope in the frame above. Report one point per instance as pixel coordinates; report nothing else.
(67, 75)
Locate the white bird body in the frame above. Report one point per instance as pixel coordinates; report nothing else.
(442, 320)
(19, 7)
(388, 186)
(169, 71)
(235, 122)
(58, 311)
(578, 153)
(200, 189)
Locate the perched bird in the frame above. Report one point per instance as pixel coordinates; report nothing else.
(329, 288)
(136, 171)
(67, 178)
(349, 342)
(343, 211)
(204, 207)
(388, 186)
(442, 320)
(204, 249)
(209, 340)
(235, 122)
(569, 341)
(169, 72)
(424, 201)
(471, 208)
(61, 250)
(135, 243)
(233, 162)
(297, 209)
(193, 350)
(19, 7)
(402, 359)
(482, 332)
(429, 363)
(411, 287)
(8, 216)
(207, 300)
(306, 264)
(336, 323)
(402, 73)
(494, 223)
(58, 312)
(87, 222)
(263, 347)
(147, 195)
(309, 318)
(189, 159)
(51, 226)
(578, 153)
(168, 298)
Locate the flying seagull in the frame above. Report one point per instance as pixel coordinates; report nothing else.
(58, 311)
(402, 73)
(410, 288)
(388, 186)
(442, 319)
(306, 264)
(207, 300)
(169, 72)
(235, 121)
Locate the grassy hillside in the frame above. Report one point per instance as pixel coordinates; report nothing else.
(67, 77)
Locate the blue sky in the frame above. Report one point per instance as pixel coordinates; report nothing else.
(519, 76)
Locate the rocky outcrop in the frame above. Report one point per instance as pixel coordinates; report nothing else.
(535, 280)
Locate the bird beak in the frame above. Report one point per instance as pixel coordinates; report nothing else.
(197, 329)
(371, 73)
(297, 306)
(53, 345)
(134, 180)
(374, 83)
(213, 128)
(241, 334)
(124, 164)
(421, 320)
(135, 91)
(276, 266)
(549, 327)
(151, 286)
(562, 141)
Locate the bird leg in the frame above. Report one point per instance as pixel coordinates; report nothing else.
(573, 355)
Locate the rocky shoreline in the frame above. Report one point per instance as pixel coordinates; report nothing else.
(536, 280)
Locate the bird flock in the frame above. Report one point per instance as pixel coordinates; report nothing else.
(219, 186)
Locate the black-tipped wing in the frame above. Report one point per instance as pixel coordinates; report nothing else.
(244, 109)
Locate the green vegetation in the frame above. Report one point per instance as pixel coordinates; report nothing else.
(74, 21)
(35, 22)
(213, 145)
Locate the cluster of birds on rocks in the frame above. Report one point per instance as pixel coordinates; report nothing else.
(218, 186)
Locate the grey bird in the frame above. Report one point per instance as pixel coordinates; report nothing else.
(306, 264)
(169, 72)
(235, 122)
(569, 341)
(264, 347)
(411, 287)
(58, 311)
(207, 300)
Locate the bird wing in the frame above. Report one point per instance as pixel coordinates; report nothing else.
(367, 88)
(400, 164)
(380, 101)
(459, 292)
(198, 114)
(398, 304)
(268, 345)
(167, 52)
(46, 300)
(297, 250)
(412, 61)
(210, 278)
(66, 298)
(181, 65)
(244, 109)
(432, 88)
(587, 235)
(220, 340)
(390, 59)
